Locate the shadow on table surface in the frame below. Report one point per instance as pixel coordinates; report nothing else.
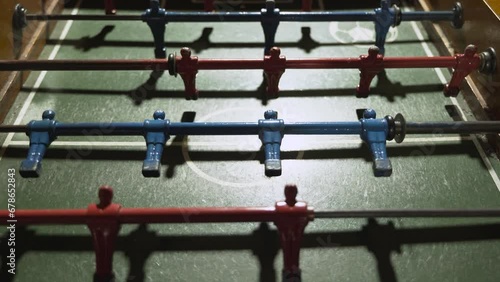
(173, 155)
(380, 239)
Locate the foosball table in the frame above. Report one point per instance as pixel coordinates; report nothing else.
(249, 141)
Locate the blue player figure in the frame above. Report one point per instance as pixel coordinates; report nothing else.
(385, 17)
(157, 27)
(156, 135)
(41, 134)
(270, 21)
(374, 133)
(271, 134)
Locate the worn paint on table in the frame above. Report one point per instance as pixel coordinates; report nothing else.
(331, 172)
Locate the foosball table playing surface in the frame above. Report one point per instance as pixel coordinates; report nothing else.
(331, 172)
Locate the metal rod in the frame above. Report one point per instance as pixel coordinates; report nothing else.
(317, 16)
(51, 17)
(214, 128)
(102, 129)
(13, 128)
(409, 213)
(459, 127)
(194, 128)
(419, 62)
(194, 17)
(427, 16)
(327, 16)
(153, 215)
(216, 17)
(230, 64)
(83, 65)
(227, 214)
(257, 16)
(221, 64)
(251, 128)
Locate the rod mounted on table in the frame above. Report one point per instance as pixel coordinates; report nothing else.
(274, 65)
(105, 218)
(384, 17)
(187, 66)
(375, 132)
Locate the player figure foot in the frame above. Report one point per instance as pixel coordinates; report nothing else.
(273, 167)
(30, 169)
(151, 169)
(382, 167)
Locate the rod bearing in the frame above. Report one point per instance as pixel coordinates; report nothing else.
(400, 128)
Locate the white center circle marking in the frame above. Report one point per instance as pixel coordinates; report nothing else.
(362, 33)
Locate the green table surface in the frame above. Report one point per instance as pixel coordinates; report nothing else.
(331, 172)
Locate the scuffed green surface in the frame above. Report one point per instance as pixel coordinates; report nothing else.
(227, 171)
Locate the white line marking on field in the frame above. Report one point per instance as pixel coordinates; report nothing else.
(38, 82)
(443, 80)
(344, 141)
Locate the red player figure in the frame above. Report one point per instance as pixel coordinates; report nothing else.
(187, 68)
(209, 6)
(104, 232)
(371, 65)
(109, 7)
(291, 230)
(307, 5)
(274, 67)
(466, 63)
